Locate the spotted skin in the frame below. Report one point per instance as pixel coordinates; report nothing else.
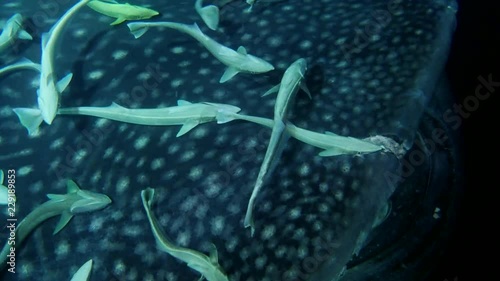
(315, 211)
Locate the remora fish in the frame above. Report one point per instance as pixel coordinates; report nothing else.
(83, 272)
(251, 3)
(209, 14)
(76, 201)
(208, 267)
(236, 61)
(4, 191)
(49, 91)
(332, 144)
(13, 30)
(288, 88)
(121, 12)
(187, 114)
(23, 63)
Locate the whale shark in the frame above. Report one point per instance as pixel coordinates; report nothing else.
(122, 12)
(187, 114)
(208, 267)
(375, 68)
(11, 31)
(76, 201)
(236, 61)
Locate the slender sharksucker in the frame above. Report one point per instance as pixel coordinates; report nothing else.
(290, 83)
(332, 144)
(236, 61)
(50, 89)
(22, 64)
(122, 12)
(207, 266)
(11, 31)
(76, 201)
(187, 114)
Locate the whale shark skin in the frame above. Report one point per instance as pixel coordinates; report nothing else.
(373, 67)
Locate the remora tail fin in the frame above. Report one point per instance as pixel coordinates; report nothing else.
(137, 29)
(210, 15)
(30, 118)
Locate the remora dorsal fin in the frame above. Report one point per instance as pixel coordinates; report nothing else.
(118, 21)
(242, 50)
(183, 102)
(228, 74)
(72, 187)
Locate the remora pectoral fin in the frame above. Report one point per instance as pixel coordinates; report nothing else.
(30, 118)
(272, 90)
(188, 126)
(118, 21)
(228, 74)
(64, 82)
(304, 88)
(22, 34)
(65, 218)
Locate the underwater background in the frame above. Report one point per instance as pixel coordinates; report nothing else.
(375, 68)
